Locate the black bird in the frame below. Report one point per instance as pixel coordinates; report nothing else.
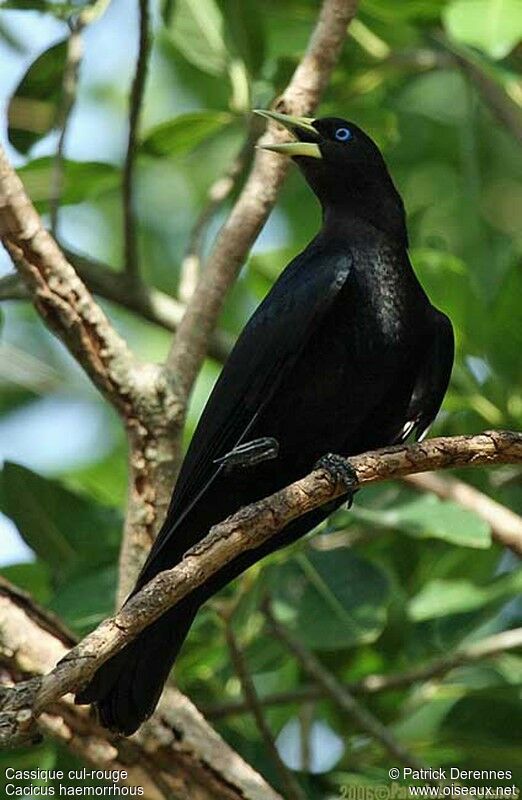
(345, 354)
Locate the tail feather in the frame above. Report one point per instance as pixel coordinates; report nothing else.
(127, 687)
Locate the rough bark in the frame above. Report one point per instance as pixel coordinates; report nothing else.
(255, 524)
(176, 752)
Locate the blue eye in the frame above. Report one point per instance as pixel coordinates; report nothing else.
(343, 134)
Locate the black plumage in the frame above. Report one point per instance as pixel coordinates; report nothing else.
(345, 354)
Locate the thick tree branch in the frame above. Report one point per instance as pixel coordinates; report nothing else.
(141, 393)
(146, 301)
(176, 751)
(257, 197)
(59, 295)
(255, 524)
(506, 526)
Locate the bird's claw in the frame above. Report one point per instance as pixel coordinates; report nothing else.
(251, 453)
(342, 471)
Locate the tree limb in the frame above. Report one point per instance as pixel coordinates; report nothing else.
(255, 524)
(176, 750)
(146, 301)
(59, 295)
(141, 393)
(257, 197)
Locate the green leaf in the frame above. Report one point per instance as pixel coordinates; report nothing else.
(427, 517)
(84, 601)
(244, 32)
(182, 134)
(442, 96)
(197, 30)
(65, 530)
(33, 107)
(494, 26)
(33, 578)
(333, 599)
(441, 598)
(82, 180)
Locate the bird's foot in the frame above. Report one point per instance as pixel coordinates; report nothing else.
(250, 453)
(342, 471)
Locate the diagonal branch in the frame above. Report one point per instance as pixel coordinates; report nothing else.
(130, 222)
(176, 754)
(148, 302)
(343, 698)
(59, 295)
(257, 197)
(292, 788)
(144, 398)
(255, 524)
(216, 195)
(488, 647)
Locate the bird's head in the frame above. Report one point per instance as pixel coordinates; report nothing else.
(345, 169)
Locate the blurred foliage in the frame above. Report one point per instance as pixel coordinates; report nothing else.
(403, 577)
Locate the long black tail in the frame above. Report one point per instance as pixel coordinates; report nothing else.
(127, 687)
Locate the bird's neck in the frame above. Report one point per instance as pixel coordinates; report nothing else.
(342, 220)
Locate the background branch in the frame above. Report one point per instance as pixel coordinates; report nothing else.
(293, 790)
(216, 195)
(69, 89)
(176, 748)
(488, 647)
(146, 301)
(60, 297)
(343, 698)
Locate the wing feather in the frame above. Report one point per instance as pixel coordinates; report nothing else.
(268, 346)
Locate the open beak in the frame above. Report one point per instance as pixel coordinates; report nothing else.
(298, 126)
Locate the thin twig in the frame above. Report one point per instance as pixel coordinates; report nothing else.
(69, 90)
(371, 684)
(292, 788)
(502, 106)
(216, 195)
(340, 694)
(130, 221)
(252, 526)
(257, 198)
